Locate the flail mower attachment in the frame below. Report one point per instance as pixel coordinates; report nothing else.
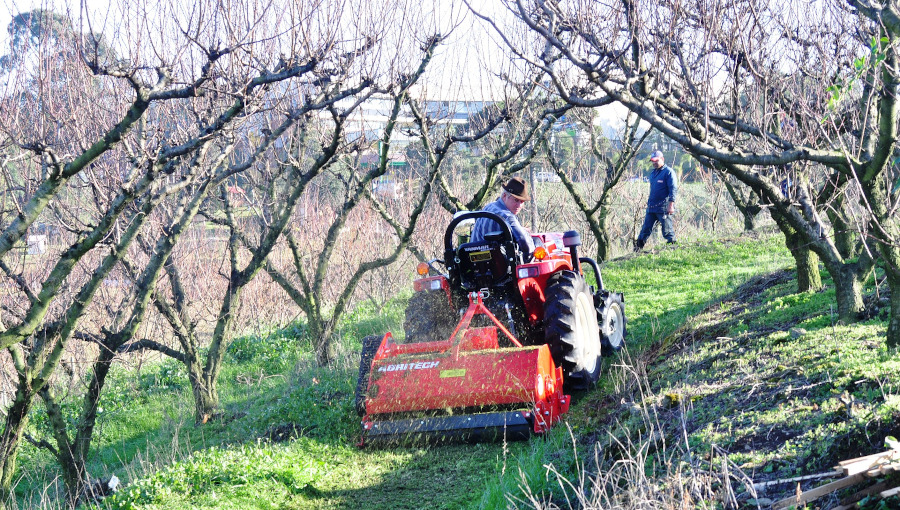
(466, 387)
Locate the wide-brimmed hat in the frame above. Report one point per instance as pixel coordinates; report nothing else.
(656, 155)
(517, 188)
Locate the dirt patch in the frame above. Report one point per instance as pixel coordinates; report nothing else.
(762, 440)
(751, 291)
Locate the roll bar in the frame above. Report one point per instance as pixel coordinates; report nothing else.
(448, 235)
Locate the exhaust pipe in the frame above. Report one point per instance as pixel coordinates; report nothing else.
(572, 240)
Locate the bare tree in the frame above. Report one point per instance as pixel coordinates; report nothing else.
(98, 143)
(769, 93)
(527, 116)
(609, 175)
(285, 188)
(309, 277)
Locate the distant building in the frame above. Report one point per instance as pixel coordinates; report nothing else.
(36, 244)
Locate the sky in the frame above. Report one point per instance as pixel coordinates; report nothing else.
(465, 67)
(460, 60)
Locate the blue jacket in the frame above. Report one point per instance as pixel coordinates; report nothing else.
(663, 187)
(484, 226)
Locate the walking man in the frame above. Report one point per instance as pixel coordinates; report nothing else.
(660, 203)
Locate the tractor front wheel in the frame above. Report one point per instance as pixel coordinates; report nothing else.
(571, 329)
(611, 315)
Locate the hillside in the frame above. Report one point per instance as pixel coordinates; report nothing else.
(729, 376)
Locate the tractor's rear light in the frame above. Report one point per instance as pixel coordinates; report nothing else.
(540, 253)
(539, 387)
(527, 272)
(422, 268)
(430, 283)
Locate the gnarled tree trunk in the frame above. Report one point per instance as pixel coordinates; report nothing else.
(14, 427)
(848, 293)
(893, 332)
(206, 394)
(748, 205)
(809, 278)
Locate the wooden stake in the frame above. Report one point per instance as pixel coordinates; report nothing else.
(830, 474)
(818, 492)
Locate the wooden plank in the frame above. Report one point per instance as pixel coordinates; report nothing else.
(861, 467)
(890, 492)
(864, 457)
(888, 453)
(818, 492)
(865, 465)
(860, 464)
(881, 470)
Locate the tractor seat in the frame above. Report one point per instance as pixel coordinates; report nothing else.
(483, 264)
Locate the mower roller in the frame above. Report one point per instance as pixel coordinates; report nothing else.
(526, 331)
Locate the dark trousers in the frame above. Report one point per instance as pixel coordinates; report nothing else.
(650, 220)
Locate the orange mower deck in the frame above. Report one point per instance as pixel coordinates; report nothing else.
(464, 387)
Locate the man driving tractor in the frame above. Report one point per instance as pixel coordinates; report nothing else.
(514, 194)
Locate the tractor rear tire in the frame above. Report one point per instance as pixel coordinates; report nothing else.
(571, 329)
(370, 346)
(611, 316)
(429, 317)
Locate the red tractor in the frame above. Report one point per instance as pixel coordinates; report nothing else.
(491, 343)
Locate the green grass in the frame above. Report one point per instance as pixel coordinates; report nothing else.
(818, 397)
(763, 374)
(664, 287)
(724, 368)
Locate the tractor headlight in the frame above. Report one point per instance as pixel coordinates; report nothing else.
(435, 284)
(527, 272)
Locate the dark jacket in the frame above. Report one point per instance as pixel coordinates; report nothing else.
(663, 187)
